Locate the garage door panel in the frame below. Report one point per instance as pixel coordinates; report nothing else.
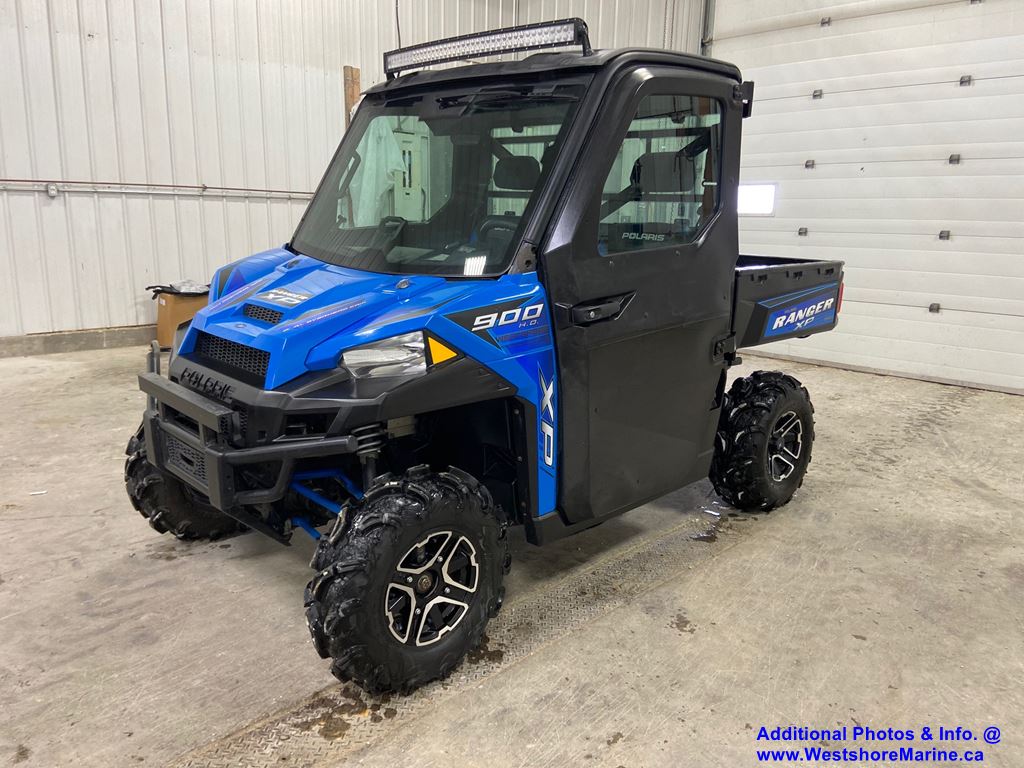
(977, 330)
(952, 262)
(943, 102)
(964, 132)
(784, 19)
(990, 74)
(904, 354)
(949, 368)
(935, 165)
(882, 189)
(922, 116)
(982, 287)
(916, 31)
(945, 93)
(916, 345)
(911, 211)
(813, 186)
(898, 296)
(973, 236)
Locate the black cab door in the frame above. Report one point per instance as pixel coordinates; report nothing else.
(639, 266)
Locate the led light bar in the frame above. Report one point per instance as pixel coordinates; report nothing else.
(549, 34)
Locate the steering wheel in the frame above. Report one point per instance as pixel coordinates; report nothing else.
(498, 222)
(388, 230)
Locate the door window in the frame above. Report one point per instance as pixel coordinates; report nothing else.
(663, 186)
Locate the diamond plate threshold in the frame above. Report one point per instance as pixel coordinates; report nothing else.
(343, 719)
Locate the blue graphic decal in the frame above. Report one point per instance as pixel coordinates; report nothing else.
(802, 312)
(323, 309)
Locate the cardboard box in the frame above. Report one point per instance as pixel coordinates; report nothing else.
(173, 309)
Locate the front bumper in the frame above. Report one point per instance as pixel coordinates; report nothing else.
(190, 436)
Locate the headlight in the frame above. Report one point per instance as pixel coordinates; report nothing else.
(398, 356)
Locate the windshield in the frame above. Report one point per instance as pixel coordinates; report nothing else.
(438, 184)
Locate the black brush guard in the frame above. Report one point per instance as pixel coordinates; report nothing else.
(203, 457)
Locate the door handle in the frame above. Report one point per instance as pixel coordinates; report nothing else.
(603, 309)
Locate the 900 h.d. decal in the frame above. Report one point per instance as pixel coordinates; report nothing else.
(508, 317)
(502, 320)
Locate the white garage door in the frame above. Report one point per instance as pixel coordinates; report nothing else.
(893, 133)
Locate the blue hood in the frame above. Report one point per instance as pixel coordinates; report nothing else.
(324, 309)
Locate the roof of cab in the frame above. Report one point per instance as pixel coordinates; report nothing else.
(557, 63)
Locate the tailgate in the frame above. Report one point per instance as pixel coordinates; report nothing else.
(782, 298)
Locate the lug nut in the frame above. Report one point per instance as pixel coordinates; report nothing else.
(447, 590)
(440, 559)
(408, 579)
(418, 611)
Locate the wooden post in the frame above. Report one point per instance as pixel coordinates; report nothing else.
(350, 77)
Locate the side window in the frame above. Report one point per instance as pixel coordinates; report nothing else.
(664, 184)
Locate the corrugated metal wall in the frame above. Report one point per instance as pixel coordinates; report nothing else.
(182, 134)
(892, 111)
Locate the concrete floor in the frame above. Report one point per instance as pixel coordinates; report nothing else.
(886, 594)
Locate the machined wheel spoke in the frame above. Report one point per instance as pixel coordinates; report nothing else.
(785, 446)
(452, 548)
(424, 553)
(779, 457)
(399, 610)
(786, 423)
(431, 588)
(440, 616)
(461, 570)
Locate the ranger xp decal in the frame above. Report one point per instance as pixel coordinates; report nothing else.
(802, 311)
(282, 297)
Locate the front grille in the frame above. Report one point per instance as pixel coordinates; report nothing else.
(231, 354)
(186, 458)
(263, 314)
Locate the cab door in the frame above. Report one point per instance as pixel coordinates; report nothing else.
(639, 265)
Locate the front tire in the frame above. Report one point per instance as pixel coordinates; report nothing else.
(764, 440)
(407, 588)
(168, 505)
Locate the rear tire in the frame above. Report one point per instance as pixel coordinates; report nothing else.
(406, 590)
(168, 505)
(764, 440)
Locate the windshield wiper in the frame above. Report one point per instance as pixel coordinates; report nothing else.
(488, 98)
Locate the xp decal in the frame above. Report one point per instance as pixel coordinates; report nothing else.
(802, 311)
(547, 417)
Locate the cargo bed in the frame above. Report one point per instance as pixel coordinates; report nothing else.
(780, 298)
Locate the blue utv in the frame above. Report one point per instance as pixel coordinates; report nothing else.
(512, 301)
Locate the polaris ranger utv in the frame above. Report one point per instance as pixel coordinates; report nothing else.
(512, 301)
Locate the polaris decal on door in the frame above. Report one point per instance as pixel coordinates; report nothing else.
(802, 311)
(651, 236)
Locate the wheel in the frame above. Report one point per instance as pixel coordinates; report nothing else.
(764, 440)
(406, 589)
(167, 503)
